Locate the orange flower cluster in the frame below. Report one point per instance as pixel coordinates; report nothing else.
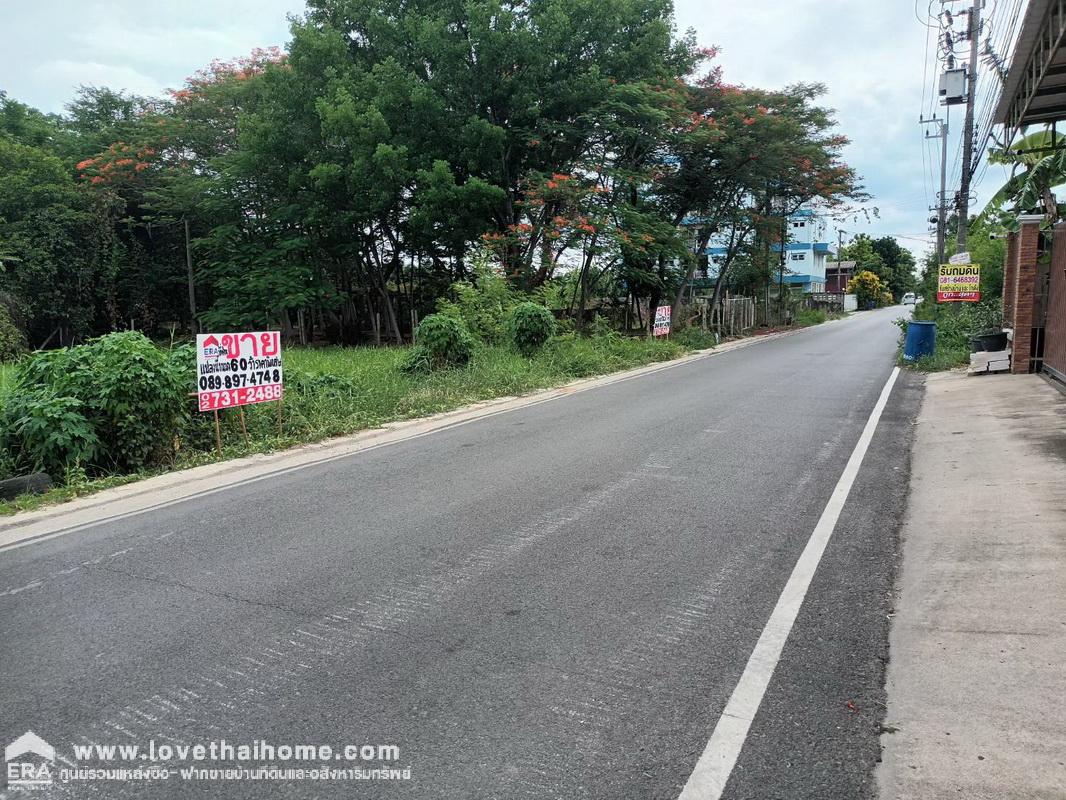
(118, 164)
(220, 71)
(699, 120)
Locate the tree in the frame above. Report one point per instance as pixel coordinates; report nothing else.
(749, 159)
(885, 258)
(337, 189)
(867, 288)
(899, 265)
(46, 232)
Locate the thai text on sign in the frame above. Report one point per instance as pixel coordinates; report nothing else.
(238, 369)
(959, 283)
(662, 321)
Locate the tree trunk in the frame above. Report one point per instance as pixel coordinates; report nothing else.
(701, 245)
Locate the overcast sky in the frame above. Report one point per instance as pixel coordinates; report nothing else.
(870, 56)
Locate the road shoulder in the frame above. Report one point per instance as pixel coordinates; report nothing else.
(825, 704)
(173, 487)
(980, 625)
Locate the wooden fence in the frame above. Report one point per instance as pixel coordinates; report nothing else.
(730, 316)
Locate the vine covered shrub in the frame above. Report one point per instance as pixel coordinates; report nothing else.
(115, 404)
(531, 326)
(12, 342)
(481, 306)
(443, 341)
(46, 431)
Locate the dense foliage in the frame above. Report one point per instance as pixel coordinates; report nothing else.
(46, 423)
(114, 404)
(531, 326)
(884, 258)
(869, 290)
(443, 341)
(338, 188)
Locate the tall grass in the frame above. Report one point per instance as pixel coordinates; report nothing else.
(334, 391)
(370, 387)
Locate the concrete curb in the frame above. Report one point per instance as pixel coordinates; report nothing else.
(162, 490)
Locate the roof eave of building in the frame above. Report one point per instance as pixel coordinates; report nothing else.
(1036, 16)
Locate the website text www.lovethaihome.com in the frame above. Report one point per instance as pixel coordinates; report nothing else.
(33, 763)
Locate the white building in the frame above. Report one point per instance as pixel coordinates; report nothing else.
(806, 251)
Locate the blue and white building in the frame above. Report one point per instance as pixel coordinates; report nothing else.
(807, 250)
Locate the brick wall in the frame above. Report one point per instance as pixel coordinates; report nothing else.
(1024, 287)
(1055, 330)
(1009, 274)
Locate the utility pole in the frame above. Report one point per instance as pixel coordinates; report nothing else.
(784, 255)
(841, 286)
(974, 32)
(192, 285)
(941, 206)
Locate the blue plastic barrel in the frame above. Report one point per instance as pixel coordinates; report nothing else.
(920, 341)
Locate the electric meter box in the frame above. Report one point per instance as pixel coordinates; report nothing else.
(953, 87)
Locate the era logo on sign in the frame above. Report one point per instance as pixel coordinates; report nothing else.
(212, 349)
(29, 761)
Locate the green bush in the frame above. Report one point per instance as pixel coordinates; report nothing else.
(530, 326)
(443, 341)
(958, 323)
(482, 305)
(321, 385)
(49, 432)
(580, 357)
(12, 342)
(810, 316)
(416, 360)
(115, 404)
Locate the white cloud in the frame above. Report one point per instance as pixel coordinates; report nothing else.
(90, 73)
(49, 47)
(868, 55)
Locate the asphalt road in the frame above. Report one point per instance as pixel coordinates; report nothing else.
(554, 602)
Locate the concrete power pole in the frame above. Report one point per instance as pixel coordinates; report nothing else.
(192, 281)
(974, 27)
(941, 206)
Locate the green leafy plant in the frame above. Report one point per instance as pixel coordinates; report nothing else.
(320, 385)
(531, 326)
(443, 341)
(482, 305)
(47, 431)
(694, 339)
(12, 342)
(130, 394)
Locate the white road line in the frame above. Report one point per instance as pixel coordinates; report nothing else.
(709, 778)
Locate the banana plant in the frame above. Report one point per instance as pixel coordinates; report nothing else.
(1039, 165)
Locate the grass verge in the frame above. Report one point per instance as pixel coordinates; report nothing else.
(336, 391)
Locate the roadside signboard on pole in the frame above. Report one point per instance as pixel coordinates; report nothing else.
(238, 369)
(959, 283)
(662, 321)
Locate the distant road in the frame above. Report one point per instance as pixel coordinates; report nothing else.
(554, 602)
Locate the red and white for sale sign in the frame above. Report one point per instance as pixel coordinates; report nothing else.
(238, 369)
